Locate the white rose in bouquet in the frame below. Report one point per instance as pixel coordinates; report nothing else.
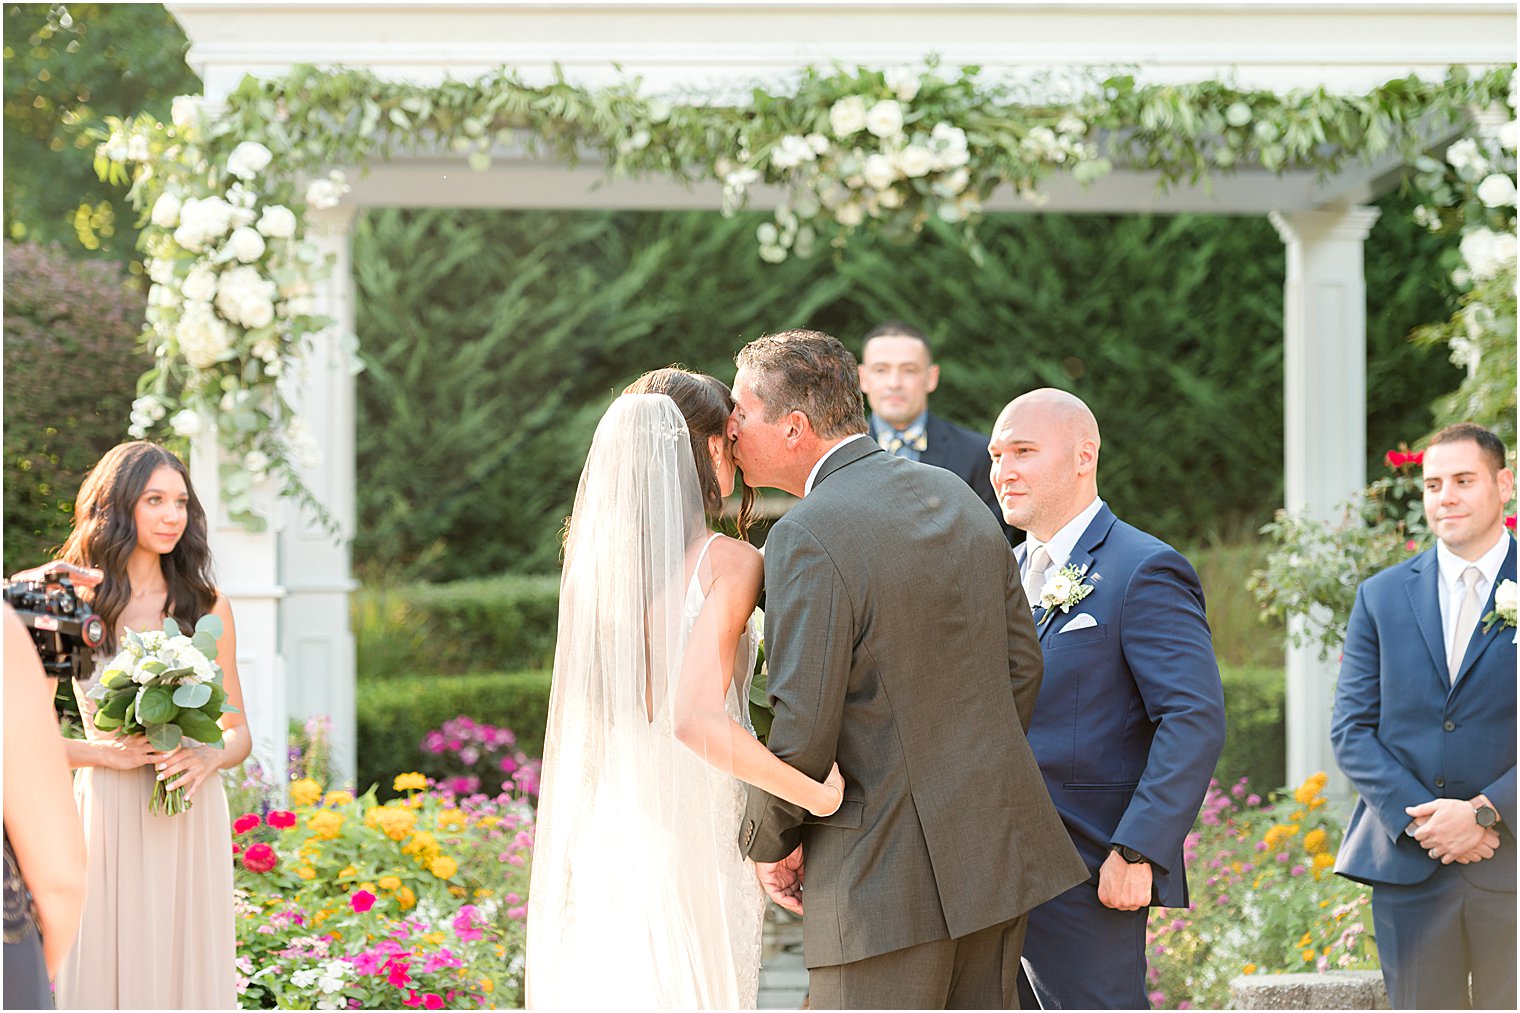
(166, 210)
(948, 144)
(915, 160)
(890, 198)
(202, 335)
(277, 222)
(186, 423)
(818, 142)
(1497, 190)
(246, 297)
(248, 159)
(849, 215)
(879, 172)
(200, 284)
(246, 245)
(847, 117)
(885, 118)
(161, 295)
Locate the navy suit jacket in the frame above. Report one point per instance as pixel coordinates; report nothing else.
(964, 452)
(1404, 734)
(1130, 720)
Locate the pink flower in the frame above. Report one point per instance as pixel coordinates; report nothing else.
(1509, 522)
(1261, 845)
(281, 819)
(508, 764)
(412, 999)
(245, 823)
(1239, 789)
(260, 858)
(512, 899)
(1297, 870)
(1178, 924)
(1157, 998)
(399, 972)
(1282, 856)
(432, 1001)
(464, 924)
(1253, 800)
(362, 901)
(517, 913)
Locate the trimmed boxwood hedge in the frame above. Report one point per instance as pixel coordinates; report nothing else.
(394, 714)
(492, 624)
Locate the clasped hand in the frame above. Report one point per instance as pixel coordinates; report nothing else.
(1445, 828)
(184, 767)
(783, 880)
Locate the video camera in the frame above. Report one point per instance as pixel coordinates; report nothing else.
(63, 627)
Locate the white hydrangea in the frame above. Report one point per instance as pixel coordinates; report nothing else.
(248, 160)
(847, 117)
(885, 118)
(202, 335)
(246, 297)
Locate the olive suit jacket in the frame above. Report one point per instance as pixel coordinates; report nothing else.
(899, 643)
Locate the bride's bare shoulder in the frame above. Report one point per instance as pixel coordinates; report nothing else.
(730, 555)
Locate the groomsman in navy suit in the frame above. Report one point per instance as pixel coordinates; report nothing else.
(1424, 728)
(1129, 722)
(897, 375)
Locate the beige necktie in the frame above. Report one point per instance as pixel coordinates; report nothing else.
(1034, 575)
(1467, 618)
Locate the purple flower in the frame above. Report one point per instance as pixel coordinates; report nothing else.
(1157, 998)
(1282, 857)
(1261, 845)
(1297, 870)
(1253, 800)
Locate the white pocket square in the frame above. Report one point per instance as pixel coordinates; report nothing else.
(1080, 621)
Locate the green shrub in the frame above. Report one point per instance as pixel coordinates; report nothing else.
(71, 368)
(1256, 737)
(492, 624)
(394, 714)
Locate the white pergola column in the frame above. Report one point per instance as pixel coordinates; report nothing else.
(247, 572)
(316, 640)
(1325, 430)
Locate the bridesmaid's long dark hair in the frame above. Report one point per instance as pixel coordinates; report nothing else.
(105, 534)
(705, 402)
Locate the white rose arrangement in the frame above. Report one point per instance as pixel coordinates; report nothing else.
(1069, 586)
(1506, 599)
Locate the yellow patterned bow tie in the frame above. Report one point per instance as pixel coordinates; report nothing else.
(894, 441)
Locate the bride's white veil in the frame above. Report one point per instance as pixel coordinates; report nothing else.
(624, 904)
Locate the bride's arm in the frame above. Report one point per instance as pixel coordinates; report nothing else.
(701, 722)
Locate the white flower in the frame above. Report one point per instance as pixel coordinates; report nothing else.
(305, 978)
(277, 222)
(915, 160)
(879, 172)
(186, 423)
(257, 462)
(326, 193)
(1487, 252)
(1508, 134)
(166, 210)
(1464, 154)
(1497, 190)
(202, 335)
(246, 245)
(161, 295)
(137, 148)
(885, 118)
(891, 197)
(146, 410)
(303, 446)
(1063, 590)
(904, 84)
(185, 111)
(948, 144)
(1056, 590)
(791, 151)
(1506, 597)
(246, 297)
(332, 975)
(201, 222)
(1072, 125)
(849, 215)
(847, 117)
(160, 270)
(819, 143)
(954, 183)
(200, 283)
(248, 159)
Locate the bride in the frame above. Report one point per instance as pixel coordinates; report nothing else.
(639, 896)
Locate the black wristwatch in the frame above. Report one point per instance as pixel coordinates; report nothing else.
(1129, 854)
(1486, 816)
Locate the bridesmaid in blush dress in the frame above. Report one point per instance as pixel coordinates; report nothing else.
(157, 930)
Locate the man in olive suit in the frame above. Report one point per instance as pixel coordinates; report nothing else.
(900, 644)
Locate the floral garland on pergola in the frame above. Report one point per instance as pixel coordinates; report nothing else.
(226, 197)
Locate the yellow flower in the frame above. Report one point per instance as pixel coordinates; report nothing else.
(488, 821)
(486, 985)
(321, 916)
(406, 898)
(1314, 841)
(390, 883)
(1312, 786)
(409, 782)
(1248, 969)
(348, 871)
(443, 867)
(337, 798)
(451, 819)
(436, 938)
(457, 891)
(1308, 954)
(305, 792)
(367, 886)
(1324, 860)
(424, 845)
(392, 821)
(1308, 937)
(482, 893)
(1316, 801)
(1278, 833)
(306, 872)
(326, 823)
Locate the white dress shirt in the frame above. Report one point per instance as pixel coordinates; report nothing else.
(1063, 541)
(813, 475)
(1452, 566)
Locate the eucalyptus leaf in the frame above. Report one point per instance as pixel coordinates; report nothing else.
(155, 706)
(164, 737)
(205, 642)
(192, 695)
(209, 623)
(199, 727)
(171, 628)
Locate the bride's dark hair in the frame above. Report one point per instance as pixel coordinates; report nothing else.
(705, 403)
(105, 534)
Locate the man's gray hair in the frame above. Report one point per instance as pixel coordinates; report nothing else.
(810, 372)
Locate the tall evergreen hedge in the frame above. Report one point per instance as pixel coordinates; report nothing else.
(494, 341)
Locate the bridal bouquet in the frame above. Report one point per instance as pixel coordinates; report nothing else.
(167, 686)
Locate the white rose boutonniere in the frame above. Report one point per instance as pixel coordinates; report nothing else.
(1505, 599)
(1069, 586)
